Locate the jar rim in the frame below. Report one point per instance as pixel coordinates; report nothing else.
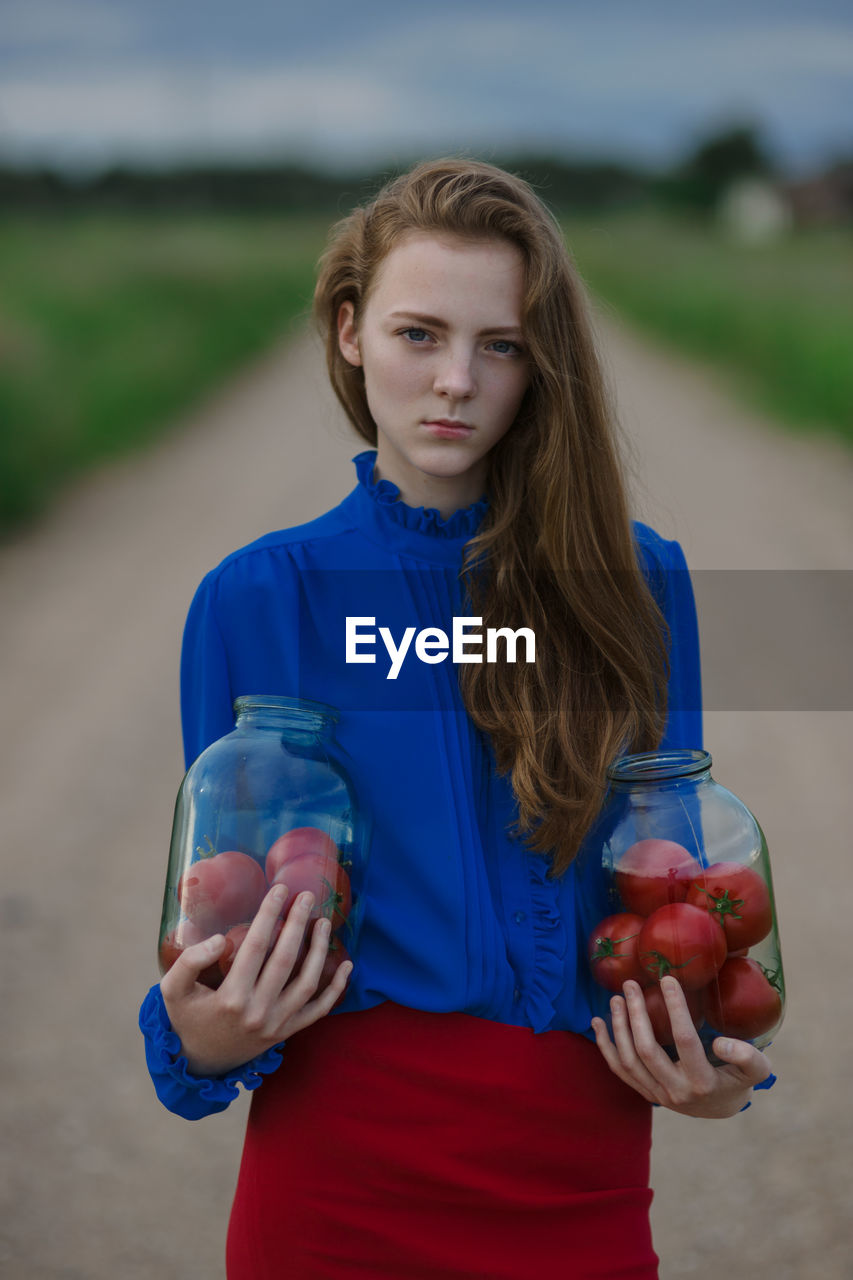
(658, 766)
(274, 702)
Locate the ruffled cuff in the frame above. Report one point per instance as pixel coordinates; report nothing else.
(187, 1095)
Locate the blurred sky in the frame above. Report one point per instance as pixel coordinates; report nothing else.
(85, 82)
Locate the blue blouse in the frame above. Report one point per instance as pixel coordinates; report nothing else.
(459, 916)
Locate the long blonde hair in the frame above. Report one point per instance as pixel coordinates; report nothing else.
(556, 550)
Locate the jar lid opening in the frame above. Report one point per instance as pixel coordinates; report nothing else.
(659, 766)
(248, 703)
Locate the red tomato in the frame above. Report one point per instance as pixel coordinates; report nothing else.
(612, 951)
(653, 873)
(739, 899)
(743, 1002)
(326, 879)
(659, 1014)
(221, 890)
(295, 844)
(684, 941)
(186, 934)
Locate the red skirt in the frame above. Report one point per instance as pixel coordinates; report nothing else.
(394, 1144)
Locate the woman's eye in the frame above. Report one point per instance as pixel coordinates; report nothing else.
(504, 347)
(416, 335)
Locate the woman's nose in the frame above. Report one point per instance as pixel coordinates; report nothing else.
(455, 376)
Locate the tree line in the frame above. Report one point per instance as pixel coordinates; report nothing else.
(694, 183)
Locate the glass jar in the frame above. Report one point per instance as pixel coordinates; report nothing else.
(675, 878)
(270, 801)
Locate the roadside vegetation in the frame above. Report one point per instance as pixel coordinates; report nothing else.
(113, 322)
(776, 316)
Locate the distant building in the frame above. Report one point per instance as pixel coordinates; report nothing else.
(824, 200)
(755, 211)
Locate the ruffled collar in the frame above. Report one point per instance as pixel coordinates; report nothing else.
(426, 522)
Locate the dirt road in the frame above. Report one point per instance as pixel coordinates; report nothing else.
(97, 1180)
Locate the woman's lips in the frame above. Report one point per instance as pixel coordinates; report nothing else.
(448, 429)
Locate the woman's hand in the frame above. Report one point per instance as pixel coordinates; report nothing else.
(258, 1004)
(690, 1086)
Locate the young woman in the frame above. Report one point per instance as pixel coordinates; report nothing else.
(460, 1113)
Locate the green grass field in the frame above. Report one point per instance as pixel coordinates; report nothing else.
(777, 317)
(111, 325)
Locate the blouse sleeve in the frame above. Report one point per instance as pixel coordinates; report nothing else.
(206, 714)
(189, 1096)
(206, 694)
(669, 579)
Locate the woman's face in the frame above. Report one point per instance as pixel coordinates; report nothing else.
(445, 367)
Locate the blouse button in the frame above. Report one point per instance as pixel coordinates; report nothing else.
(520, 917)
(516, 995)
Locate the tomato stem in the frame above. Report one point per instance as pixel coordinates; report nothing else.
(606, 947)
(661, 965)
(332, 902)
(773, 976)
(723, 905)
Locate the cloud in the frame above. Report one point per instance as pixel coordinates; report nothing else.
(590, 57)
(469, 79)
(87, 28)
(154, 110)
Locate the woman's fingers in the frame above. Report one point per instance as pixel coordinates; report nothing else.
(688, 1046)
(611, 1056)
(324, 1001)
(753, 1065)
(182, 976)
(261, 942)
(690, 1084)
(639, 1051)
(620, 1053)
(294, 969)
(284, 958)
(636, 1056)
(691, 1077)
(269, 992)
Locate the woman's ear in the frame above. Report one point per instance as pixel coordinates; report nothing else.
(347, 336)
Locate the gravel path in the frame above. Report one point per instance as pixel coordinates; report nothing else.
(98, 1181)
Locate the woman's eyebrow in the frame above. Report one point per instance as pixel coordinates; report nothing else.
(435, 323)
